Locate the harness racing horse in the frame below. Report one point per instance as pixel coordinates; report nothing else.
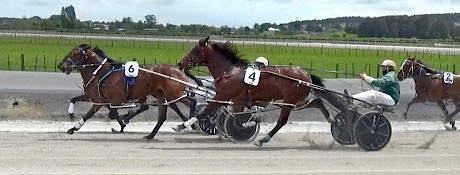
(430, 87)
(104, 84)
(276, 83)
(130, 114)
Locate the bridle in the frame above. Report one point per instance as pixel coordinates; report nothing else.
(78, 64)
(82, 57)
(411, 69)
(190, 60)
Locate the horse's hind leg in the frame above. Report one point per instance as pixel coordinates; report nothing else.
(455, 112)
(80, 123)
(448, 119)
(176, 109)
(284, 116)
(162, 109)
(113, 114)
(131, 114)
(318, 104)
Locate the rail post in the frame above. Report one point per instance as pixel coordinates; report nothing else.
(36, 60)
(44, 62)
(453, 68)
(55, 63)
(336, 70)
(378, 72)
(346, 70)
(353, 69)
(8, 57)
(22, 62)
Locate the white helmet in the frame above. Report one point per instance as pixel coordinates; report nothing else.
(262, 60)
(389, 63)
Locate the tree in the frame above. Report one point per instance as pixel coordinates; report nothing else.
(139, 25)
(150, 21)
(68, 17)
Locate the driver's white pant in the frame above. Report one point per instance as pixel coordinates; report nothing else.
(375, 97)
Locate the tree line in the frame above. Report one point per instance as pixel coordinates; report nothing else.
(446, 26)
(430, 26)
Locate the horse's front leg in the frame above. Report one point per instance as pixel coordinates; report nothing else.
(72, 105)
(408, 106)
(282, 120)
(80, 123)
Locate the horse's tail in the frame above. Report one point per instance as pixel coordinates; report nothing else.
(316, 80)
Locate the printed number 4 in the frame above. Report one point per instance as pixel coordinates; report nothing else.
(252, 76)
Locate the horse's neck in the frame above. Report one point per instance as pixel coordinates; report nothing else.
(420, 77)
(87, 72)
(220, 67)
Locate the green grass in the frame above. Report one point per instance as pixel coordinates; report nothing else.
(44, 53)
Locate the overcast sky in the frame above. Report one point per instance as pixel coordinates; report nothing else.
(225, 12)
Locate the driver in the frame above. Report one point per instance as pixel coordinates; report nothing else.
(261, 62)
(388, 85)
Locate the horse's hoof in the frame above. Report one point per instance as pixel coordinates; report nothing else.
(114, 131)
(454, 128)
(258, 143)
(148, 137)
(449, 127)
(70, 131)
(177, 128)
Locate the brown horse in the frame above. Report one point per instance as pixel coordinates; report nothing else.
(104, 84)
(430, 87)
(275, 83)
(131, 114)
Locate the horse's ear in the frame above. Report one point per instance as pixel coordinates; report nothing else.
(203, 41)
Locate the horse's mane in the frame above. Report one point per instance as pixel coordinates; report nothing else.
(102, 54)
(230, 52)
(428, 69)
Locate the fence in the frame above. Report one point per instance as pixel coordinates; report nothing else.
(341, 70)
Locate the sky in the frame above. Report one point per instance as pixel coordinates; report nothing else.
(233, 13)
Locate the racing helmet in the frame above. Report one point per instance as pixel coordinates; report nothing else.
(262, 60)
(389, 63)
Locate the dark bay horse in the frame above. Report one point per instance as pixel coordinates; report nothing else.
(430, 87)
(104, 84)
(227, 68)
(131, 114)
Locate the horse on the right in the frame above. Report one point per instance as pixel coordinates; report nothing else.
(432, 86)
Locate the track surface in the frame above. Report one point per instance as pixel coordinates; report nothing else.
(192, 153)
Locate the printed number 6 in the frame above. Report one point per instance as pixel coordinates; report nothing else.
(131, 69)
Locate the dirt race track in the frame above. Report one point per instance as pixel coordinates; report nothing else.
(414, 152)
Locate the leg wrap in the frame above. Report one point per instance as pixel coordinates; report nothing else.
(79, 124)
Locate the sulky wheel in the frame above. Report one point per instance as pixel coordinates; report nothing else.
(206, 125)
(372, 131)
(237, 129)
(343, 134)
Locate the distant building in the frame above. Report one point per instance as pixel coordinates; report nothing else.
(271, 29)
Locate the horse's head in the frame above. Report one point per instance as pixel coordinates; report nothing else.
(196, 56)
(77, 58)
(407, 68)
